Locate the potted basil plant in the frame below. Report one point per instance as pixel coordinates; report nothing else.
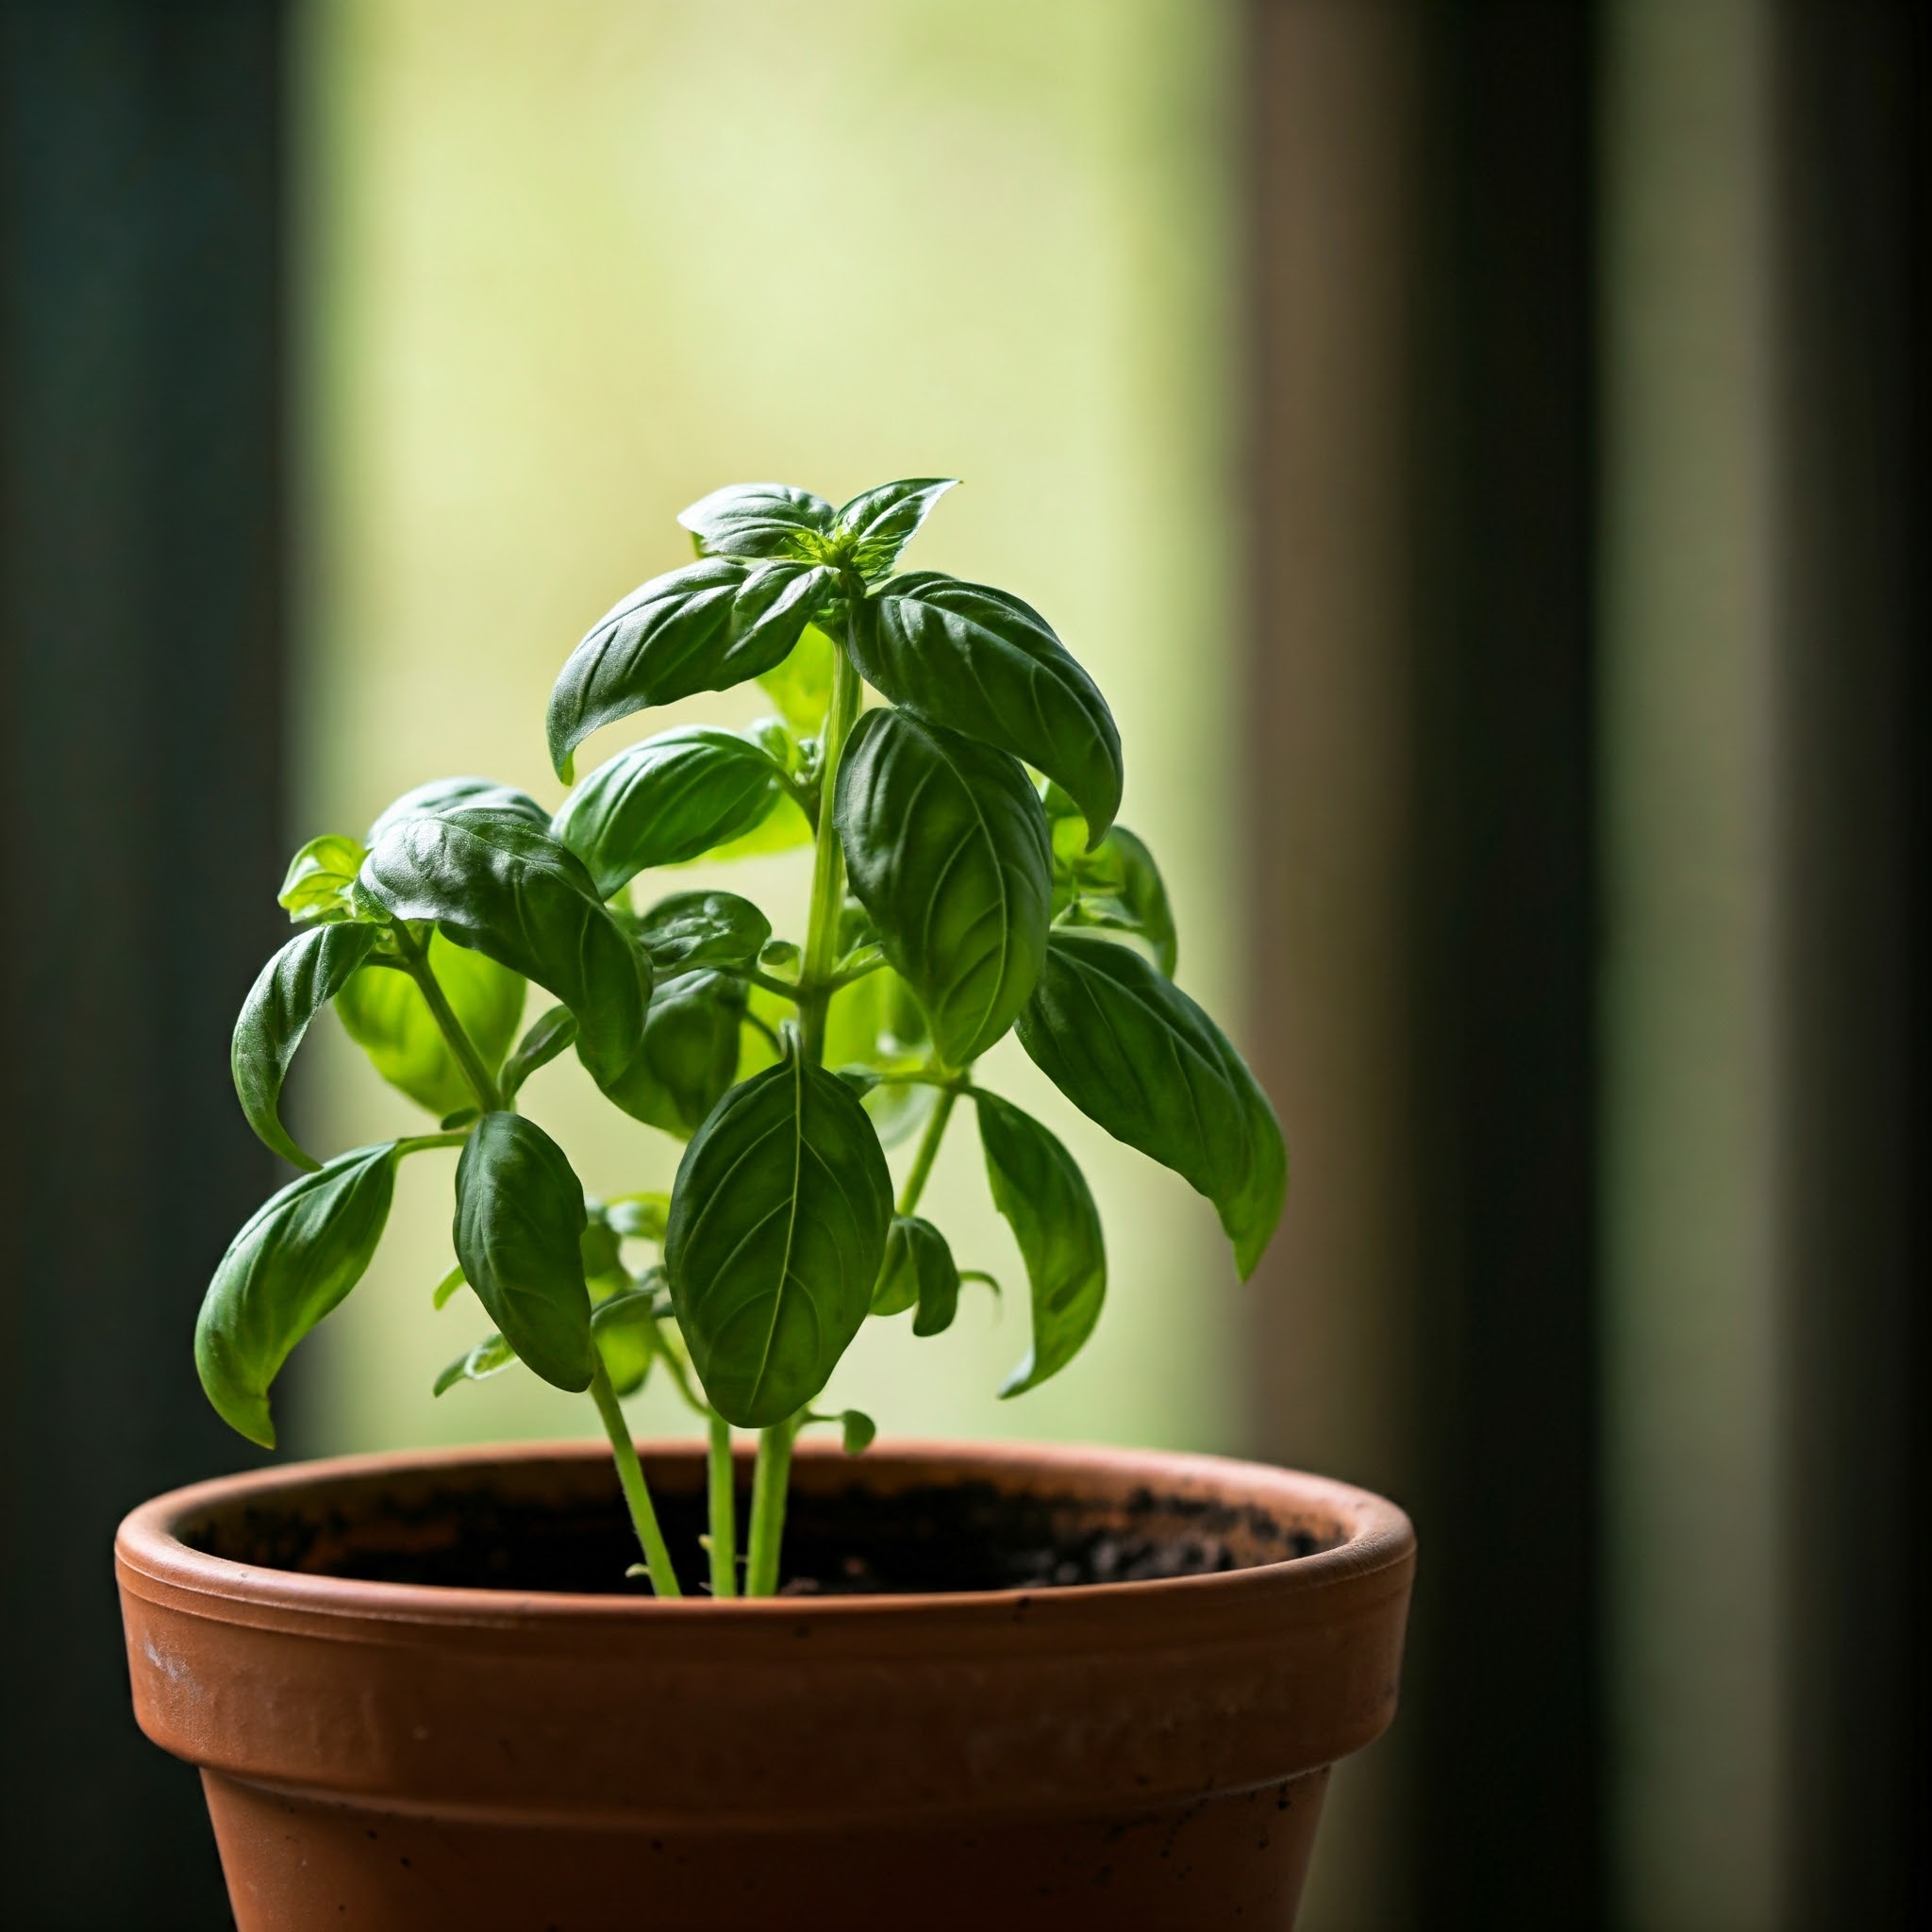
(566, 1686)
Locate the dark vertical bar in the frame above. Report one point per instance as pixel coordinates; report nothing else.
(1853, 84)
(1506, 1699)
(140, 587)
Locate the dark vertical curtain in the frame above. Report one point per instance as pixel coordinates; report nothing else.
(141, 711)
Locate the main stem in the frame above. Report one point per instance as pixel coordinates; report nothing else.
(773, 1466)
(630, 1473)
(720, 1486)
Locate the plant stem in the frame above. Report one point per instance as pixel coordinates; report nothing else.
(928, 1151)
(722, 1493)
(416, 963)
(828, 865)
(768, 1479)
(631, 1475)
(420, 1143)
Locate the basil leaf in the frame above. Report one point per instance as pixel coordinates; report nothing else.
(1046, 1201)
(784, 828)
(626, 1331)
(384, 1013)
(638, 1217)
(778, 1222)
(495, 882)
(296, 1258)
(689, 1055)
(801, 687)
(520, 1213)
(917, 1273)
(670, 799)
(447, 1287)
(692, 929)
(1117, 885)
(984, 663)
(705, 627)
(1137, 1057)
(856, 1431)
(477, 1363)
(320, 880)
(946, 846)
(450, 794)
(293, 987)
(761, 520)
(875, 525)
(550, 1034)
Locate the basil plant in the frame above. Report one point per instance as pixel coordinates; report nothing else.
(967, 878)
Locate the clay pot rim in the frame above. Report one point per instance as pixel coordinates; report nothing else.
(1377, 1543)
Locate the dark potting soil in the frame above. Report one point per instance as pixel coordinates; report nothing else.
(839, 1540)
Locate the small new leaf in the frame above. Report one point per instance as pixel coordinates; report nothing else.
(550, 1034)
(1050, 1208)
(778, 1227)
(707, 626)
(918, 1273)
(674, 797)
(477, 1363)
(984, 663)
(294, 1259)
(1138, 1057)
(692, 929)
(447, 1287)
(520, 1213)
(947, 849)
(1116, 887)
(318, 889)
(878, 524)
(291, 989)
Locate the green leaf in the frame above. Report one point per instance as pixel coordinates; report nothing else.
(477, 1363)
(495, 882)
(549, 1035)
(1050, 1208)
(319, 887)
(778, 1223)
(293, 987)
(626, 1331)
(519, 1211)
(875, 525)
(984, 663)
(1137, 1057)
(689, 1055)
(450, 794)
(638, 1217)
(450, 1284)
(1116, 886)
(384, 1013)
(918, 1273)
(801, 687)
(759, 520)
(670, 799)
(296, 1258)
(784, 828)
(597, 1250)
(947, 849)
(705, 627)
(694, 929)
(857, 1430)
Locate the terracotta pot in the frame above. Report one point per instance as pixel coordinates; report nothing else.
(410, 1755)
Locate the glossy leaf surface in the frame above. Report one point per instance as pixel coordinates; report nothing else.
(981, 662)
(761, 520)
(946, 846)
(520, 1214)
(878, 524)
(692, 929)
(291, 989)
(672, 798)
(498, 883)
(321, 879)
(705, 627)
(1137, 1057)
(294, 1259)
(778, 1227)
(384, 1013)
(689, 1055)
(450, 794)
(1050, 1207)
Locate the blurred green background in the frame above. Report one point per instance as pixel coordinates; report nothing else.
(566, 268)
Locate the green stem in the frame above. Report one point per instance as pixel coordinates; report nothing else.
(721, 1488)
(770, 982)
(416, 963)
(768, 1483)
(631, 1475)
(420, 1143)
(928, 1151)
(828, 866)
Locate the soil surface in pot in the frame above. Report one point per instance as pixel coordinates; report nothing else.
(841, 1538)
